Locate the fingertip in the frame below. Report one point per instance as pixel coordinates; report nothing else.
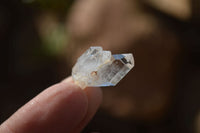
(59, 108)
(67, 80)
(94, 95)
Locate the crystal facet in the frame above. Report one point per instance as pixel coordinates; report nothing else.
(96, 67)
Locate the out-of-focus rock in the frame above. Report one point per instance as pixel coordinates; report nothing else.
(122, 26)
(180, 9)
(113, 24)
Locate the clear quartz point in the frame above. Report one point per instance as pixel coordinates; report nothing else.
(96, 67)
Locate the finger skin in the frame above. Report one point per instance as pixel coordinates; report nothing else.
(95, 97)
(94, 100)
(59, 109)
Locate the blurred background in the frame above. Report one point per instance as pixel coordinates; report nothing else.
(41, 40)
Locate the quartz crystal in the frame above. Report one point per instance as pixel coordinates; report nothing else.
(96, 67)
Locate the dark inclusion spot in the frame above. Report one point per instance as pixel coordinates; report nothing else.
(125, 61)
(94, 52)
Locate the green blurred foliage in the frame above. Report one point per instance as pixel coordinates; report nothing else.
(55, 41)
(60, 6)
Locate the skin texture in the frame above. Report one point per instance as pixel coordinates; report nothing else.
(61, 108)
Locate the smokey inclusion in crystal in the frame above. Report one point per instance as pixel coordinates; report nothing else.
(96, 67)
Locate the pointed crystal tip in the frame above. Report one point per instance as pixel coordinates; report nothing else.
(96, 67)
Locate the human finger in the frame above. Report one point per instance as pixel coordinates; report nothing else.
(58, 109)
